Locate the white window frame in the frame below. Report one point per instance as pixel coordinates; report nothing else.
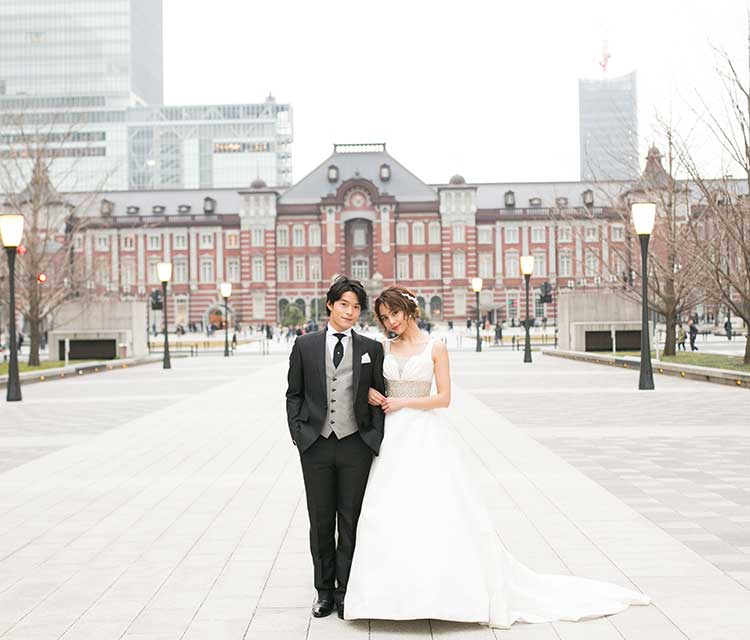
(433, 232)
(298, 269)
(282, 268)
(233, 269)
(564, 233)
(618, 233)
(537, 235)
(298, 235)
(417, 233)
(180, 241)
(233, 240)
(484, 234)
(282, 236)
(458, 232)
(102, 242)
(511, 235)
(314, 235)
(402, 267)
(417, 266)
(180, 271)
(512, 267)
(257, 236)
(485, 265)
(154, 242)
(204, 276)
(128, 242)
(316, 272)
(459, 264)
(435, 266)
(206, 239)
(402, 233)
(259, 269)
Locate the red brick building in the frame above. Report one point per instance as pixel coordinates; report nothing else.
(362, 213)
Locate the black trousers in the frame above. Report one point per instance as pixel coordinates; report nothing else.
(335, 473)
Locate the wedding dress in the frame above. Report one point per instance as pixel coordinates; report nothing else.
(426, 546)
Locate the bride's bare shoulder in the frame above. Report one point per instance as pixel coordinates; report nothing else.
(439, 349)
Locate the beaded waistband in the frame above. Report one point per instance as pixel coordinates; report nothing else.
(408, 388)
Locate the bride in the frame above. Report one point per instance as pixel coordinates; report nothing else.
(426, 547)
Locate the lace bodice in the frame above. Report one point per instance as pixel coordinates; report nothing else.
(413, 379)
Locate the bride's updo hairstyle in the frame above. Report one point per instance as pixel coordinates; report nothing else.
(395, 298)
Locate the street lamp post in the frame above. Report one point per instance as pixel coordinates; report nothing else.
(644, 214)
(527, 268)
(164, 271)
(11, 229)
(476, 285)
(226, 291)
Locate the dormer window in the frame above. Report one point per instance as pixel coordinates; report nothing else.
(158, 209)
(588, 197)
(510, 199)
(535, 202)
(132, 211)
(209, 205)
(106, 207)
(385, 172)
(183, 208)
(561, 202)
(333, 173)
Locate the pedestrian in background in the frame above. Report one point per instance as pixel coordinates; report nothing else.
(693, 331)
(681, 336)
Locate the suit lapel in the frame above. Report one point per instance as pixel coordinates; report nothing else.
(357, 350)
(321, 353)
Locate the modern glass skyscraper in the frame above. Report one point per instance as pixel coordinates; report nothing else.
(110, 49)
(608, 117)
(84, 78)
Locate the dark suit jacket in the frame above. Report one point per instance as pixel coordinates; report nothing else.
(307, 396)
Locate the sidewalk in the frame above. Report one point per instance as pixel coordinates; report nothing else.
(189, 521)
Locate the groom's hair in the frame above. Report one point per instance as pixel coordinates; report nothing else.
(340, 286)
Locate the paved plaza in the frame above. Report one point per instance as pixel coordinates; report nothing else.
(151, 504)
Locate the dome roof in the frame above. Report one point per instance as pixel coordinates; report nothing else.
(258, 183)
(457, 179)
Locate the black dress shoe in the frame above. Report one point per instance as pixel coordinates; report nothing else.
(340, 609)
(323, 607)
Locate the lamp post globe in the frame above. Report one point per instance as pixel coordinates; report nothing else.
(476, 285)
(11, 230)
(226, 291)
(527, 268)
(164, 272)
(644, 216)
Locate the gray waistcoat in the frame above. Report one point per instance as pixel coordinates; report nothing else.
(339, 385)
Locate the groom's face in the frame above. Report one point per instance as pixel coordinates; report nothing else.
(345, 311)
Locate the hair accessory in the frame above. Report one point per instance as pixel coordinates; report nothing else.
(409, 297)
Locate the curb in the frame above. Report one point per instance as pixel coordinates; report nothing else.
(691, 372)
(73, 370)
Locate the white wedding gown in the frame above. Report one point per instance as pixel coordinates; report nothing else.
(426, 547)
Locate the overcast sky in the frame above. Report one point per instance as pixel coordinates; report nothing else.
(487, 89)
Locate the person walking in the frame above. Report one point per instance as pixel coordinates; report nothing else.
(693, 332)
(681, 336)
(728, 328)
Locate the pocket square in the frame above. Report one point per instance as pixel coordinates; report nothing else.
(366, 358)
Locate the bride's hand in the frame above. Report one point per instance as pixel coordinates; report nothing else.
(375, 398)
(393, 404)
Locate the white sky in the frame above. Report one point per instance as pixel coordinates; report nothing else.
(484, 88)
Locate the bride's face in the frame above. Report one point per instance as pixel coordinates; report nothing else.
(394, 320)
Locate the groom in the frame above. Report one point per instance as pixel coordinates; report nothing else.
(337, 433)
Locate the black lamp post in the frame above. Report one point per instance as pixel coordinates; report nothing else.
(476, 284)
(527, 268)
(226, 291)
(644, 214)
(164, 271)
(11, 229)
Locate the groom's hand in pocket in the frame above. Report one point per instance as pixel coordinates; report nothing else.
(375, 398)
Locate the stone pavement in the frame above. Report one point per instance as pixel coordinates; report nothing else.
(184, 516)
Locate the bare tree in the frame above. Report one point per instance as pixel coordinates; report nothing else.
(720, 222)
(51, 223)
(673, 278)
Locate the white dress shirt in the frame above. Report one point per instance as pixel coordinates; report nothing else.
(331, 339)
